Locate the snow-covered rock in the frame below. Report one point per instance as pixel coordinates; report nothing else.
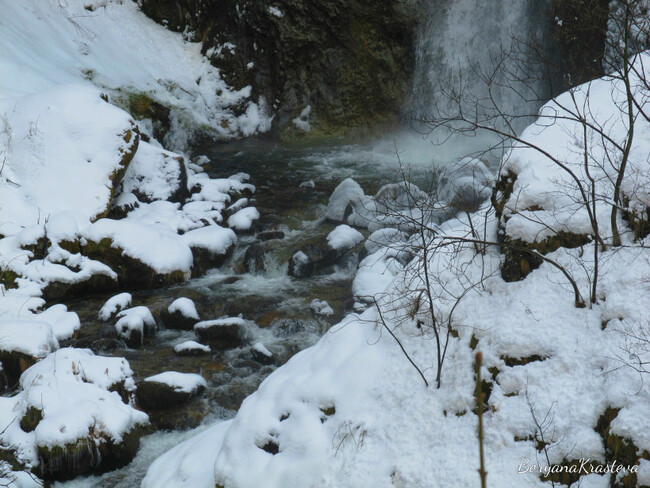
(321, 307)
(338, 207)
(344, 238)
(385, 238)
(243, 219)
(465, 184)
(133, 324)
(181, 314)
(210, 246)
(156, 174)
(169, 389)
(261, 354)
(114, 305)
(191, 348)
(71, 415)
(228, 331)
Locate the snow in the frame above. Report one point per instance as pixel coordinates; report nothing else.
(69, 387)
(224, 322)
(261, 348)
(154, 246)
(243, 219)
(47, 136)
(217, 240)
(189, 464)
(154, 174)
(27, 336)
(275, 11)
(344, 237)
(302, 121)
(114, 305)
(191, 346)
(185, 307)
(180, 382)
(64, 324)
(346, 192)
(387, 237)
(135, 319)
(321, 307)
(106, 48)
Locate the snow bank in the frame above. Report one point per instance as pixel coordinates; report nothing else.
(27, 336)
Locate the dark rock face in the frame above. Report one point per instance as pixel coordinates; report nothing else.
(254, 259)
(349, 60)
(152, 395)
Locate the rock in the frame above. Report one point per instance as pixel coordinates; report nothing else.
(261, 354)
(133, 324)
(169, 389)
(243, 219)
(211, 246)
(250, 304)
(254, 259)
(181, 314)
(330, 65)
(69, 440)
(191, 348)
(465, 184)
(321, 307)
(22, 343)
(156, 174)
(340, 202)
(270, 234)
(229, 331)
(114, 305)
(236, 207)
(314, 258)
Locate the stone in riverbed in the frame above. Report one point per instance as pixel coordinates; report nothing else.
(169, 389)
(133, 324)
(181, 314)
(191, 348)
(254, 259)
(227, 331)
(342, 199)
(267, 235)
(261, 354)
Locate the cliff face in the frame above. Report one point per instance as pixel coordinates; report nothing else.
(344, 65)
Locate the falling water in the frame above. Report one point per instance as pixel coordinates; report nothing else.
(457, 37)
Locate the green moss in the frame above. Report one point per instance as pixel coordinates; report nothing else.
(31, 419)
(8, 278)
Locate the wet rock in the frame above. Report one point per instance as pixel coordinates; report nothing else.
(261, 354)
(326, 252)
(254, 259)
(270, 234)
(251, 305)
(331, 65)
(210, 245)
(169, 389)
(321, 307)
(229, 331)
(181, 314)
(181, 417)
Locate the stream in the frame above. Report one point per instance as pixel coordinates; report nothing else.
(278, 303)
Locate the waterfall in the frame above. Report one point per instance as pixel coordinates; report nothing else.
(456, 36)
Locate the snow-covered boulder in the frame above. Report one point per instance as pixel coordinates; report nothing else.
(133, 324)
(323, 253)
(387, 237)
(465, 184)
(181, 314)
(169, 389)
(191, 348)
(53, 134)
(229, 331)
(72, 415)
(261, 354)
(114, 305)
(339, 204)
(24, 341)
(156, 174)
(210, 246)
(321, 307)
(243, 219)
